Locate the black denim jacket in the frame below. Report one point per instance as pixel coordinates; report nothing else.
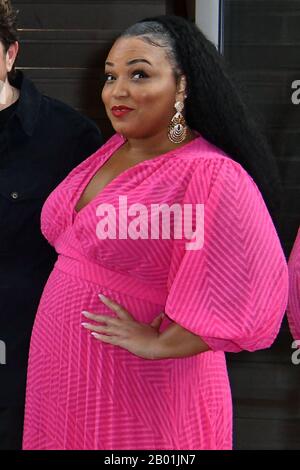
(39, 145)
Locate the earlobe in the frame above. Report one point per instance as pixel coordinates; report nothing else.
(182, 86)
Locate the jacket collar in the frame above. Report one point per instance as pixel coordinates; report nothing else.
(29, 102)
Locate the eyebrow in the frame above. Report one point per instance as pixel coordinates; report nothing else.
(131, 62)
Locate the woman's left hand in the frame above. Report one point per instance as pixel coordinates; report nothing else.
(140, 339)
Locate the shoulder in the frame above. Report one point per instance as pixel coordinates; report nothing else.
(203, 152)
(99, 155)
(65, 115)
(215, 169)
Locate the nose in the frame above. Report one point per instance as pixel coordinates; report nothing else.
(120, 88)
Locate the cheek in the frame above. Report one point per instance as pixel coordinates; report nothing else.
(107, 95)
(104, 96)
(157, 104)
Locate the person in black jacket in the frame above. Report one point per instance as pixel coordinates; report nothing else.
(41, 141)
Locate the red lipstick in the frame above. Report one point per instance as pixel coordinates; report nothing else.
(119, 111)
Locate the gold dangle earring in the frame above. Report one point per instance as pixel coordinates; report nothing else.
(178, 128)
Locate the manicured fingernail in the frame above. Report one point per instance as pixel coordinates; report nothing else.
(102, 297)
(85, 324)
(95, 334)
(84, 312)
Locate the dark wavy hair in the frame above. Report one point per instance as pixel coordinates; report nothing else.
(8, 28)
(214, 105)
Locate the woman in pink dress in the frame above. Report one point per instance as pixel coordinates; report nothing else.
(113, 372)
(293, 308)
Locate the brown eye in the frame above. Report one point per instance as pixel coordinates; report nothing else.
(139, 72)
(108, 77)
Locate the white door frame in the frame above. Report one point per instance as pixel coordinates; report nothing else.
(209, 18)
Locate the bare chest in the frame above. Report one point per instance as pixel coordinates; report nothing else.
(113, 167)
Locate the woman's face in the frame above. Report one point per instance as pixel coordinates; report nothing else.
(139, 76)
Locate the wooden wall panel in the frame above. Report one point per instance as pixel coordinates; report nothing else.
(63, 45)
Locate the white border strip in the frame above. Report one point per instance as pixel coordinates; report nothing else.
(207, 19)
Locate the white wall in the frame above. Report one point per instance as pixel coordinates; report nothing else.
(207, 19)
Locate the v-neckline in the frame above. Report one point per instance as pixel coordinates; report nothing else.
(111, 151)
(84, 183)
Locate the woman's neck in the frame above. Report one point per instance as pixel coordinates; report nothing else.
(155, 145)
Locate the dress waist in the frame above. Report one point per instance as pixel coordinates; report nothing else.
(113, 280)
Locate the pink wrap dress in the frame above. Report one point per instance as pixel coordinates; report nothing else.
(293, 309)
(85, 394)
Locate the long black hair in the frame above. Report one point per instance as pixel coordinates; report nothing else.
(214, 105)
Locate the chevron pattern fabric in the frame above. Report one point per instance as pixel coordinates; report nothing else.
(293, 309)
(84, 394)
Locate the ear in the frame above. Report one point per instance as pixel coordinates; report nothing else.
(181, 88)
(11, 55)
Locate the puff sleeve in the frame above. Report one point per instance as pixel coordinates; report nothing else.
(293, 310)
(233, 291)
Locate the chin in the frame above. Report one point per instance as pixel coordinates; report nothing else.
(124, 130)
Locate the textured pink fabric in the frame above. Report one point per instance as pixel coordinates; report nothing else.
(293, 309)
(84, 394)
